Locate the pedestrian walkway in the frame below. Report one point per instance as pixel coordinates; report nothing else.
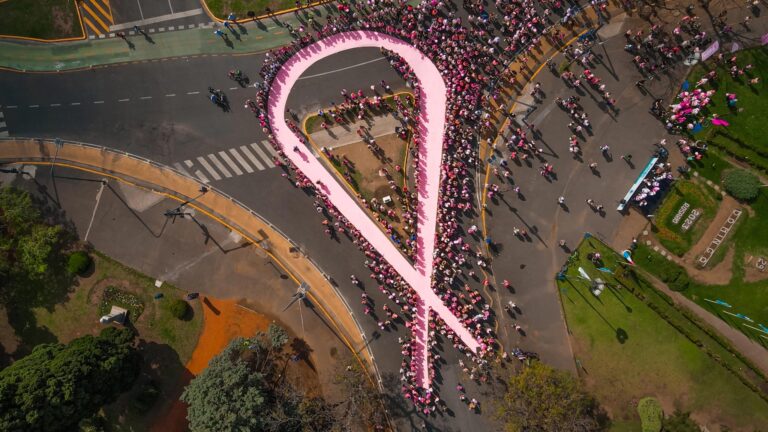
(340, 136)
(235, 161)
(3, 126)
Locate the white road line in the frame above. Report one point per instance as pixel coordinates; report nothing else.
(12, 106)
(123, 100)
(170, 95)
(55, 105)
(181, 168)
(98, 102)
(252, 158)
(241, 160)
(219, 165)
(161, 29)
(34, 106)
(191, 26)
(202, 176)
(145, 97)
(263, 155)
(269, 148)
(155, 20)
(193, 93)
(233, 88)
(75, 103)
(231, 163)
(140, 13)
(342, 69)
(209, 168)
(171, 28)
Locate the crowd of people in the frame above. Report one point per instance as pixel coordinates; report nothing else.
(469, 56)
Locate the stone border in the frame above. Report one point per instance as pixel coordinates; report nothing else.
(704, 258)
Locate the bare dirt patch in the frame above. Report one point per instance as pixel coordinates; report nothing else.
(63, 20)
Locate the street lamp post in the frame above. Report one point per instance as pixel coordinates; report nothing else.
(58, 143)
(179, 211)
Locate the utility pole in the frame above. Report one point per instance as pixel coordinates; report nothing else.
(58, 143)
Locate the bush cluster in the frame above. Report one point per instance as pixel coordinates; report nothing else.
(741, 184)
(179, 309)
(78, 263)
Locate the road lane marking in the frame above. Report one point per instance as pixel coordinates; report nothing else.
(231, 163)
(34, 106)
(269, 148)
(193, 93)
(12, 106)
(198, 173)
(212, 157)
(95, 207)
(123, 100)
(55, 105)
(241, 160)
(155, 20)
(209, 168)
(181, 169)
(263, 155)
(252, 158)
(170, 95)
(145, 97)
(233, 88)
(98, 102)
(75, 103)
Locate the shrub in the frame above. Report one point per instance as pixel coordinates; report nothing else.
(650, 414)
(742, 184)
(179, 309)
(79, 262)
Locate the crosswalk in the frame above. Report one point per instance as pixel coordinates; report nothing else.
(236, 161)
(97, 16)
(3, 126)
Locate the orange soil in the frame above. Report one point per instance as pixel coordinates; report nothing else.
(223, 320)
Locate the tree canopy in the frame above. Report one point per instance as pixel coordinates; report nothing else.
(58, 385)
(541, 398)
(244, 388)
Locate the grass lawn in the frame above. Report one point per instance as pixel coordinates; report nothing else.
(671, 233)
(746, 294)
(222, 8)
(42, 19)
(712, 165)
(627, 351)
(165, 342)
(745, 137)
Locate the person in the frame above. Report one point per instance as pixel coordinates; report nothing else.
(561, 200)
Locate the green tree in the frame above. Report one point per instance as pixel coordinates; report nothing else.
(17, 210)
(57, 386)
(742, 184)
(541, 398)
(37, 249)
(226, 396)
(244, 388)
(680, 421)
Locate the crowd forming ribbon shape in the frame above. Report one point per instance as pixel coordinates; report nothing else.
(432, 128)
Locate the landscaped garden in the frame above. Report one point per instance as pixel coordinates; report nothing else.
(632, 342)
(684, 215)
(41, 19)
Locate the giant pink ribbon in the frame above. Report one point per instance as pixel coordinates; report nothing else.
(432, 129)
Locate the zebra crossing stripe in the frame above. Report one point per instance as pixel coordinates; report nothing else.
(3, 126)
(251, 157)
(209, 168)
(219, 165)
(263, 155)
(241, 160)
(231, 163)
(198, 173)
(181, 169)
(269, 148)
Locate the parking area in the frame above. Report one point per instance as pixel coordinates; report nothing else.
(103, 17)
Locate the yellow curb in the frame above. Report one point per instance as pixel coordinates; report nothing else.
(224, 223)
(71, 39)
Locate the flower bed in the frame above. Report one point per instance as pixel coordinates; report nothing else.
(114, 296)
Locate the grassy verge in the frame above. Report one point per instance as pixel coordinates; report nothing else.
(41, 19)
(669, 226)
(222, 8)
(630, 342)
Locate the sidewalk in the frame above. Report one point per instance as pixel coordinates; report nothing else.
(258, 36)
(215, 205)
(340, 136)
